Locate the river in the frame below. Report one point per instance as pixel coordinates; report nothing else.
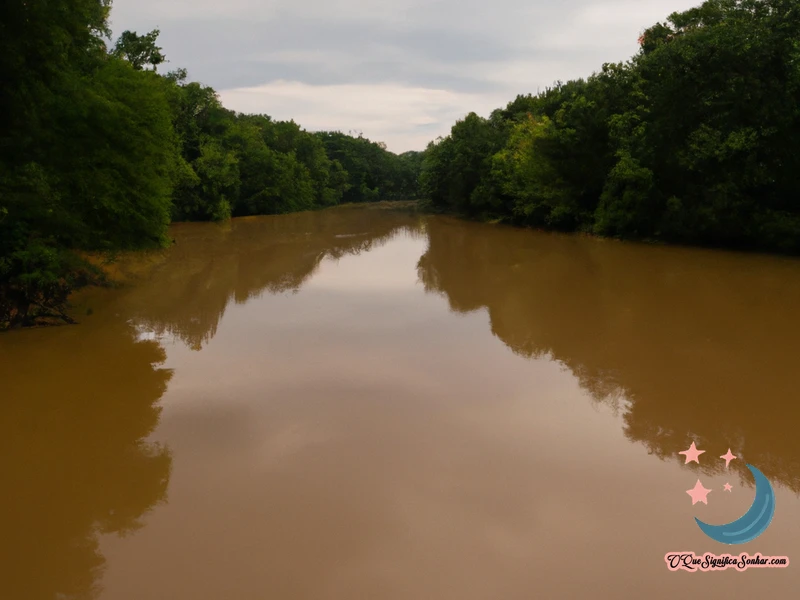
(365, 403)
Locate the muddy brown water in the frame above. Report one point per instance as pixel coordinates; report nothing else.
(374, 404)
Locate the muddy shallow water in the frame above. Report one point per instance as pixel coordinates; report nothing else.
(373, 404)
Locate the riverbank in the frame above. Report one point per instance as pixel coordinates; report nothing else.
(405, 205)
(425, 207)
(123, 268)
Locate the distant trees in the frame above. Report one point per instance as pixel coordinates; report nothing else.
(373, 173)
(457, 170)
(100, 153)
(234, 164)
(695, 139)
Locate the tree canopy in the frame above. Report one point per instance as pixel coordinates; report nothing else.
(696, 139)
(98, 152)
(692, 140)
(139, 50)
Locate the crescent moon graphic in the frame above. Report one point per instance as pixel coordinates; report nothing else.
(752, 523)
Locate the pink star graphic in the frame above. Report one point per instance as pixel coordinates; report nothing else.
(698, 493)
(728, 487)
(692, 454)
(728, 458)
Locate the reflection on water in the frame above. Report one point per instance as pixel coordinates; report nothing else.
(331, 402)
(79, 403)
(76, 410)
(702, 345)
(212, 265)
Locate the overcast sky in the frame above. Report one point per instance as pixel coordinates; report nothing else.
(401, 71)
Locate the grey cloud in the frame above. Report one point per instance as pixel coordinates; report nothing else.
(232, 53)
(468, 47)
(248, 73)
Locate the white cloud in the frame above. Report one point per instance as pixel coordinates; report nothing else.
(384, 112)
(610, 27)
(131, 10)
(401, 71)
(262, 10)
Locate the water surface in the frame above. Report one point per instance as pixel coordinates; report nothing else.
(363, 403)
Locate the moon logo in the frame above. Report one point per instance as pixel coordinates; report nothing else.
(753, 523)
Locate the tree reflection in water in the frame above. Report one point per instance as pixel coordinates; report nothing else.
(689, 344)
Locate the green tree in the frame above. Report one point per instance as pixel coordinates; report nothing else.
(87, 161)
(695, 139)
(716, 126)
(373, 173)
(457, 171)
(139, 50)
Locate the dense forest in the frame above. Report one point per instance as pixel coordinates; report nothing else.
(696, 139)
(99, 153)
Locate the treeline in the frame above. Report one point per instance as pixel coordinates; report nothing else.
(696, 139)
(233, 164)
(99, 152)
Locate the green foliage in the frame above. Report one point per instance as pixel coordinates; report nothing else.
(117, 165)
(88, 154)
(37, 280)
(408, 172)
(207, 196)
(457, 172)
(279, 167)
(98, 152)
(139, 50)
(693, 140)
(529, 176)
(626, 198)
(372, 172)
